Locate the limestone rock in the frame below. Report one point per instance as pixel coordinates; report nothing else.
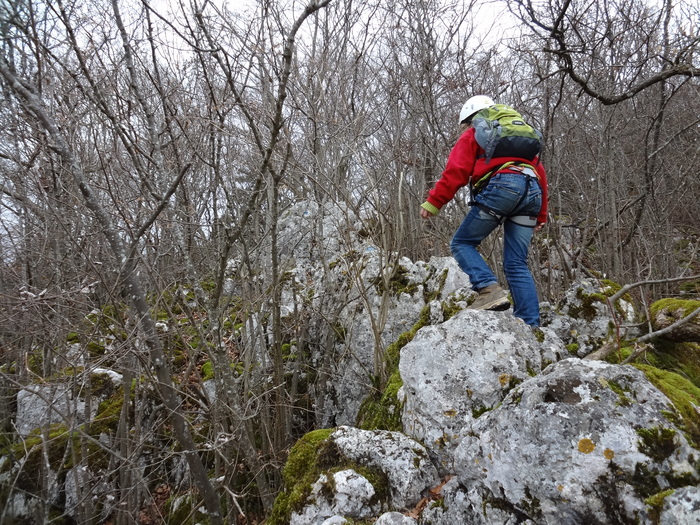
(579, 443)
(335, 520)
(394, 518)
(348, 494)
(399, 468)
(668, 311)
(682, 507)
(456, 371)
(386, 316)
(583, 317)
(40, 405)
(405, 462)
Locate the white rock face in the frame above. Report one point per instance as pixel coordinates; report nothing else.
(394, 518)
(456, 371)
(335, 520)
(522, 433)
(404, 461)
(576, 444)
(385, 317)
(682, 507)
(40, 405)
(351, 496)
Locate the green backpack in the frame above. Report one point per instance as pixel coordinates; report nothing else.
(503, 132)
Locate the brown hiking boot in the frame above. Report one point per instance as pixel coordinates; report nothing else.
(492, 297)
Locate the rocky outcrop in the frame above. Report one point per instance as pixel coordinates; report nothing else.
(520, 432)
(583, 318)
(580, 443)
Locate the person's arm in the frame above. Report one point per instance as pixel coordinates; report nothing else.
(459, 167)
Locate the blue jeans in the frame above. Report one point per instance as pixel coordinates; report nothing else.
(502, 195)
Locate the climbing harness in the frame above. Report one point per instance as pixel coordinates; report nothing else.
(522, 168)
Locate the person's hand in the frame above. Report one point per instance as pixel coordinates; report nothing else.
(539, 226)
(425, 213)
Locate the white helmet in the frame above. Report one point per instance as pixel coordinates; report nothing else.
(474, 104)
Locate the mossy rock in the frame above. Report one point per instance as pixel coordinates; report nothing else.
(305, 463)
(382, 410)
(593, 300)
(655, 504)
(684, 395)
(667, 311)
(313, 455)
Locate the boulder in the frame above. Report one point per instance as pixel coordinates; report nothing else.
(405, 463)
(456, 371)
(343, 493)
(352, 473)
(666, 312)
(583, 442)
(43, 404)
(394, 518)
(583, 319)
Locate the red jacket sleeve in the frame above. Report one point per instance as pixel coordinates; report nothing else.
(458, 170)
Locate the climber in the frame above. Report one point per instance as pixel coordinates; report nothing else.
(507, 189)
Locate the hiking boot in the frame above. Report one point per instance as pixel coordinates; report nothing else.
(492, 297)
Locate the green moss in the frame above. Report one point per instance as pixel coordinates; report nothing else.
(587, 309)
(208, 286)
(431, 296)
(531, 504)
(539, 334)
(438, 504)
(33, 449)
(398, 284)
(656, 504)
(449, 309)
(673, 304)
(101, 385)
(610, 288)
(644, 480)
(383, 412)
(35, 363)
(684, 395)
(95, 349)
(9, 368)
(572, 348)
(313, 455)
(207, 371)
(303, 467)
(623, 399)
(681, 358)
(108, 413)
(659, 443)
(480, 410)
(382, 409)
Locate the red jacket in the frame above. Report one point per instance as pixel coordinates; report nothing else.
(466, 162)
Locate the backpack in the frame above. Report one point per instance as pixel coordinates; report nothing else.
(503, 132)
